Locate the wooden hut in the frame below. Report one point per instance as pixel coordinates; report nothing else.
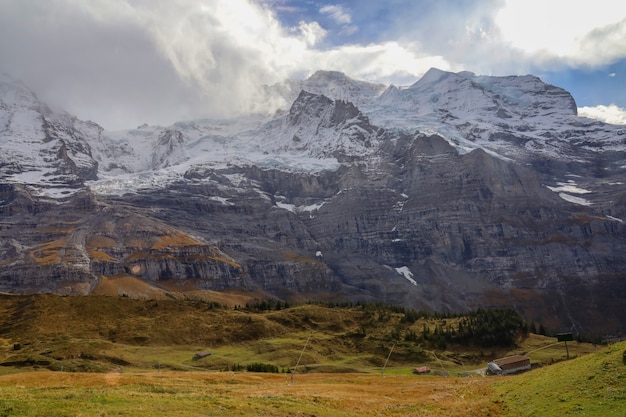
(422, 370)
(509, 365)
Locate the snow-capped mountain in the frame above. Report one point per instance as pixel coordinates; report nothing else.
(454, 192)
(319, 127)
(333, 84)
(40, 147)
(516, 116)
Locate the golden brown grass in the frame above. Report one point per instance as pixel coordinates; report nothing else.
(244, 394)
(348, 338)
(127, 285)
(48, 253)
(297, 257)
(177, 239)
(591, 385)
(99, 242)
(100, 256)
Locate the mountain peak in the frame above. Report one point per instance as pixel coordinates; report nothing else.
(14, 93)
(309, 102)
(431, 76)
(326, 76)
(332, 84)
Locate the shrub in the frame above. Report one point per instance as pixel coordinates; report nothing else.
(262, 367)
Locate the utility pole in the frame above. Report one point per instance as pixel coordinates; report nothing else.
(293, 373)
(387, 360)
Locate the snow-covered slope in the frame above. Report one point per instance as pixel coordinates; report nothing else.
(328, 118)
(514, 117)
(316, 134)
(319, 127)
(46, 150)
(333, 84)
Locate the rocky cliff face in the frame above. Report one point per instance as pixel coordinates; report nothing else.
(457, 192)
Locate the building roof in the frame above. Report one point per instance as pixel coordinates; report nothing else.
(511, 359)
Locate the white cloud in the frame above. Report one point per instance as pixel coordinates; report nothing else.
(610, 114)
(389, 62)
(342, 17)
(125, 62)
(228, 47)
(311, 32)
(348, 30)
(573, 32)
(337, 13)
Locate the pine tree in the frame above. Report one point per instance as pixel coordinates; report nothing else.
(542, 330)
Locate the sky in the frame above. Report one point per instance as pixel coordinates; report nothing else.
(122, 63)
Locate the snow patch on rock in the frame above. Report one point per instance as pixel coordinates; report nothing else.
(407, 274)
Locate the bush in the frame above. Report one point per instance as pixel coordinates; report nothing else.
(237, 367)
(262, 367)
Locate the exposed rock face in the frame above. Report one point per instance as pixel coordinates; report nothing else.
(65, 250)
(515, 200)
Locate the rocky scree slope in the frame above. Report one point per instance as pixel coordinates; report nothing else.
(456, 192)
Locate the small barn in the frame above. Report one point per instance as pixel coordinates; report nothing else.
(422, 370)
(509, 365)
(201, 355)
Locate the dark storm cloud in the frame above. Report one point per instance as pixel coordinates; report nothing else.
(107, 71)
(123, 63)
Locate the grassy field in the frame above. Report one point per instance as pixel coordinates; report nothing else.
(242, 394)
(591, 385)
(104, 356)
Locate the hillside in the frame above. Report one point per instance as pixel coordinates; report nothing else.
(149, 368)
(592, 385)
(99, 333)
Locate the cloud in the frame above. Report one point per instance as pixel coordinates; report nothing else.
(512, 36)
(95, 68)
(603, 45)
(389, 62)
(337, 13)
(125, 62)
(311, 33)
(228, 48)
(609, 114)
(342, 17)
(564, 32)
